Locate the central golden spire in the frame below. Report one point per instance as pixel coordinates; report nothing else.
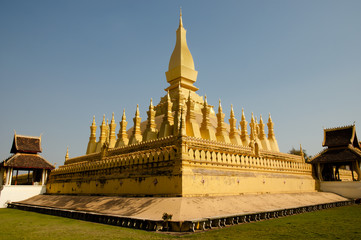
(181, 66)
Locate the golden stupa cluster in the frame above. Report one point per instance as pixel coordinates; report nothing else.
(184, 148)
(183, 106)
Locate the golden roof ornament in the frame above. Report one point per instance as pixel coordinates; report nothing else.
(124, 118)
(136, 134)
(181, 64)
(92, 139)
(150, 132)
(244, 133)
(262, 136)
(221, 132)
(112, 137)
(233, 133)
(67, 153)
(122, 135)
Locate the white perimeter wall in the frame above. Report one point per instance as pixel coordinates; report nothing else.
(18, 193)
(345, 189)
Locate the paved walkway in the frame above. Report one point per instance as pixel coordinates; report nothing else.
(183, 208)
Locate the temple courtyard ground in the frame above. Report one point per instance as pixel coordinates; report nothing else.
(334, 223)
(183, 208)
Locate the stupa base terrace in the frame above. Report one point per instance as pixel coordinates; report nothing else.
(182, 166)
(188, 213)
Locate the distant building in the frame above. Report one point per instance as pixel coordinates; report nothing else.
(25, 159)
(343, 151)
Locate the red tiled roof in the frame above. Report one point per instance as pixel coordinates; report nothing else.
(26, 144)
(26, 161)
(338, 137)
(335, 155)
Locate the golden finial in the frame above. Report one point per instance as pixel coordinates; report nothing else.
(67, 153)
(124, 117)
(103, 123)
(93, 123)
(205, 100)
(180, 18)
(112, 121)
(220, 106)
(243, 116)
(260, 119)
(232, 112)
(151, 102)
(137, 111)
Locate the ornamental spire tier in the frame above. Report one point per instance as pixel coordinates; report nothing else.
(92, 139)
(192, 126)
(168, 120)
(207, 131)
(67, 154)
(233, 133)
(103, 135)
(244, 134)
(262, 136)
(122, 135)
(221, 132)
(136, 136)
(112, 137)
(181, 65)
(271, 136)
(151, 131)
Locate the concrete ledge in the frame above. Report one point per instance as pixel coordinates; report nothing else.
(344, 188)
(14, 193)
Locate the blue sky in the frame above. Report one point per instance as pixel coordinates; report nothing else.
(61, 62)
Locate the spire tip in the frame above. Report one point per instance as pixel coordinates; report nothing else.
(180, 18)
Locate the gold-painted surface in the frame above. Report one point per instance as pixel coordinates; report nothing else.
(183, 149)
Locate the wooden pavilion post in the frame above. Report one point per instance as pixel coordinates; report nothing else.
(43, 177)
(358, 171)
(10, 176)
(16, 178)
(351, 167)
(319, 172)
(356, 167)
(2, 171)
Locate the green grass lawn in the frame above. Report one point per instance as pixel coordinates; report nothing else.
(336, 223)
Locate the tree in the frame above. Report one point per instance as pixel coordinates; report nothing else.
(298, 152)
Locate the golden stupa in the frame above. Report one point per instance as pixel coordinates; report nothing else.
(184, 148)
